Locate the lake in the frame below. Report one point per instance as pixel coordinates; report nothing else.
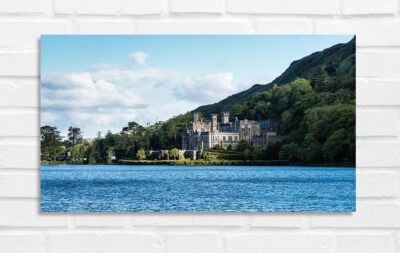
(120, 188)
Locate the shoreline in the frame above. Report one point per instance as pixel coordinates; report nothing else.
(214, 163)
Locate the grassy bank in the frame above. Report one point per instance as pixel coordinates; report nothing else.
(201, 162)
(216, 162)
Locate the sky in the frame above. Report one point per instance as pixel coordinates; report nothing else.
(102, 82)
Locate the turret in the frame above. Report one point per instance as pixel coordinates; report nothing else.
(196, 117)
(214, 122)
(224, 117)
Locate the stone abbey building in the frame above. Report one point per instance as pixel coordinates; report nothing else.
(226, 135)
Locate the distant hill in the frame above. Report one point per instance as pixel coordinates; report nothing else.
(337, 60)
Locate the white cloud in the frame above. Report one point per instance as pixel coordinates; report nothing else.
(208, 89)
(78, 99)
(108, 99)
(80, 90)
(139, 57)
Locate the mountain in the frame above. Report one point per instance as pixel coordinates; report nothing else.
(335, 61)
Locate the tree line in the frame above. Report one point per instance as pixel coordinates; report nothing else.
(129, 143)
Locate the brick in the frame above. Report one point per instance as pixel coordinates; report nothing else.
(377, 154)
(370, 32)
(279, 243)
(283, 27)
(19, 185)
(109, 27)
(19, 125)
(21, 243)
(87, 7)
(201, 6)
(143, 7)
(365, 243)
(19, 64)
(14, 92)
(376, 184)
(22, 6)
(22, 157)
(26, 214)
(117, 7)
(199, 27)
(101, 220)
(187, 220)
(378, 92)
(26, 33)
(193, 243)
(219, 220)
(365, 7)
(286, 7)
(377, 63)
(376, 123)
(276, 220)
(102, 242)
(378, 215)
(166, 219)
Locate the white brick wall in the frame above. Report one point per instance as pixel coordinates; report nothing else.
(375, 227)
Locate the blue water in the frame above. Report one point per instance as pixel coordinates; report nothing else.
(118, 188)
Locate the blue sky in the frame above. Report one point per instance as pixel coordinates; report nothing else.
(100, 82)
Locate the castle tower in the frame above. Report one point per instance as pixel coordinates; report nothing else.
(196, 117)
(224, 117)
(214, 122)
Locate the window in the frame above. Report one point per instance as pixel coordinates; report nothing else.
(230, 138)
(224, 138)
(236, 138)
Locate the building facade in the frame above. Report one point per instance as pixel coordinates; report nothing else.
(201, 135)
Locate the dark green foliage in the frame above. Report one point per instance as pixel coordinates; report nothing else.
(338, 147)
(309, 150)
(74, 135)
(247, 154)
(51, 145)
(272, 151)
(242, 145)
(289, 152)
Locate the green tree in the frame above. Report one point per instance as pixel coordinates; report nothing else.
(237, 110)
(310, 150)
(141, 155)
(50, 143)
(247, 154)
(165, 154)
(289, 152)
(336, 147)
(272, 151)
(174, 153)
(110, 155)
(242, 145)
(79, 152)
(92, 159)
(172, 130)
(256, 153)
(74, 135)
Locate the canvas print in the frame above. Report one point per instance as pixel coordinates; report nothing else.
(198, 123)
